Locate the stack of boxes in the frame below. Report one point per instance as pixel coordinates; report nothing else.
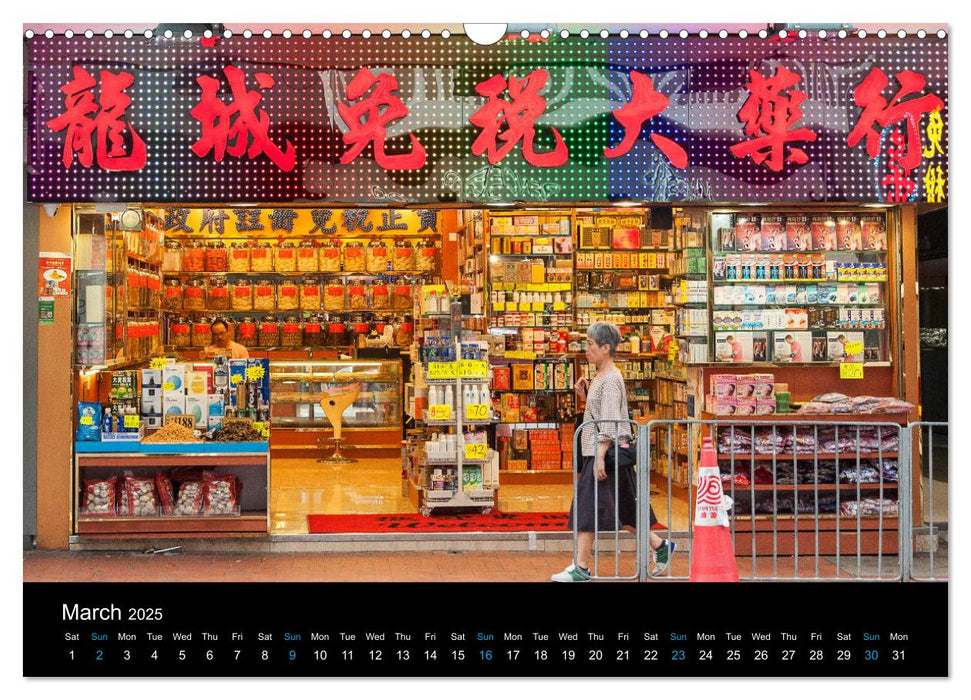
(544, 449)
(152, 411)
(741, 394)
(566, 446)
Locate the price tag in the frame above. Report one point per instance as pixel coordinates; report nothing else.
(851, 370)
(440, 412)
(476, 411)
(854, 348)
(168, 386)
(559, 306)
(86, 420)
(255, 373)
(157, 363)
(499, 306)
(476, 451)
(236, 379)
(524, 306)
(442, 370)
(474, 369)
(537, 306)
(132, 421)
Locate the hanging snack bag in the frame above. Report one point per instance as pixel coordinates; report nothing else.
(98, 497)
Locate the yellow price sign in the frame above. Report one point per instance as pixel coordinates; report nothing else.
(440, 411)
(157, 363)
(86, 420)
(538, 306)
(476, 451)
(168, 386)
(253, 373)
(258, 426)
(524, 306)
(265, 432)
(474, 369)
(132, 421)
(236, 379)
(851, 370)
(476, 411)
(559, 306)
(442, 370)
(499, 306)
(854, 348)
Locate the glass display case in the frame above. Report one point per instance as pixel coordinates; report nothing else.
(297, 387)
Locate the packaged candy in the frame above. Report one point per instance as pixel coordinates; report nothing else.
(89, 422)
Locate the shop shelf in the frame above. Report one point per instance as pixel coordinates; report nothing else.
(372, 275)
(247, 522)
(175, 448)
(844, 457)
(795, 281)
(791, 330)
(722, 253)
(789, 488)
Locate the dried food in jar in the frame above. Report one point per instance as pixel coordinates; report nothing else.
(404, 333)
(330, 256)
(172, 296)
(290, 334)
(194, 257)
(402, 299)
(98, 496)
(179, 333)
(261, 257)
(354, 258)
(336, 334)
(359, 331)
(377, 256)
(202, 332)
(264, 298)
(402, 257)
(287, 296)
(194, 295)
(239, 257)
(190, 499)
(216, 258)
(269, 332)
(218, 294)
(425, 254)
(333, 297)
(313, 334)
(309, 294)
(380, 296)
(307, 257)
(221, 494)
(285, 257)
(172, 257)
(246, 332)
(241, 298)
(356, 297)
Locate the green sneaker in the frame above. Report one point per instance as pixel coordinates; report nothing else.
(572, 574)
(662, 557)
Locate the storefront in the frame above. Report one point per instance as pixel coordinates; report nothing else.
(378, 227)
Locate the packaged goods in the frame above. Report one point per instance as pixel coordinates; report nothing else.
(98, 497)
(285, 257)
(191, 499)
(402, 257)
(166, 493)
(217, 410)
(216, 258)
(197, 406)
(194, 295)
(309, 294)
(307, 257)
(377, 256)
(221, 494)
(140, 501)
(329, 256)
(357, 297)
(239, 253)
(179, 332)
(287, 296)
(354, 258)
(172, 295)
(264, 296)
(261, 257)
(89, 422)
(194, 257)
(333, 297)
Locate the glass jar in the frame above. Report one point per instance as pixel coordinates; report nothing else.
(380, 322)
(404, 333)
(218, 294)
(241, 298)
(179, 332)
(246, 332)
(354, 258)
(333, 297)
(285, 257)
(194, 257)
(172, 297)
(309, 294)
(194, 295)
(269, 332)
(356, 297)
(287, 295)
(172, 257)
(402, 257)
(216, 258)
(202, 331)
(380, 296)
(359, 330)
(402, 298)
(307, 257)
(313, 334)
(264, 298)
(230, 329)
(239, 257)
(377, 256)
(329, 257)
(425, 254)
(261, 257)
(291, 335)
(336, 333)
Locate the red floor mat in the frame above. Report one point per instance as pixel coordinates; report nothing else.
(413, 522)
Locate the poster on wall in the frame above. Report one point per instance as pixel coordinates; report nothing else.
(54, 278)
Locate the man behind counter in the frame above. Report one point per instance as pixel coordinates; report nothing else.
(222, 345)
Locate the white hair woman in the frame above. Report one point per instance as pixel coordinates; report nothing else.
(615, 499)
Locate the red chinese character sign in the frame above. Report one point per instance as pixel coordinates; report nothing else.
(645, 104)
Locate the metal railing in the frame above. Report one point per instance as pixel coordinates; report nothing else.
(928, 517)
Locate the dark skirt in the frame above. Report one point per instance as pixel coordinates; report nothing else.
(622, 504)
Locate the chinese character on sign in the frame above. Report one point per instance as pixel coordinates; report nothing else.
(519, 114)
(356, 218)
(107, 122)
(934, 179)
(215, 217)
(177, 220)
(934, 182)
(427, 219)
(769, 114)
(645, 103)
(377, 111)
(390, 221)
(282, 220)
(900, 186)
(248, 220)
(935, 130)
(321, 219)
(236, 128)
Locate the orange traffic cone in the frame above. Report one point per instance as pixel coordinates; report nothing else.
(712, 554)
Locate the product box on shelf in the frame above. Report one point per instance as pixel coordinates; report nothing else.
(723, 384)
(237, 372)
(173, 403)
(764, 385)
(837, 345)
(773, 235)
(721, 405)
(196, 383)
(173, 380)
(798, 237)
(792, 346)
(198, 408)
(848, 234)
(124, 385)
(522, 377)
(152, 402)
(151, 378)
(873, 233)
(501, 378)
(764, 406)
(746, 406)
(822, 232)
(220, 372)
(216, 410)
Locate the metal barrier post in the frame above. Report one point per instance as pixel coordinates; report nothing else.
(905, 525)
(643, 500)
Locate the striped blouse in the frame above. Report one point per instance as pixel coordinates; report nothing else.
(606, 400)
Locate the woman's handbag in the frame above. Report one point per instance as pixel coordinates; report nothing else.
(626, 457)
